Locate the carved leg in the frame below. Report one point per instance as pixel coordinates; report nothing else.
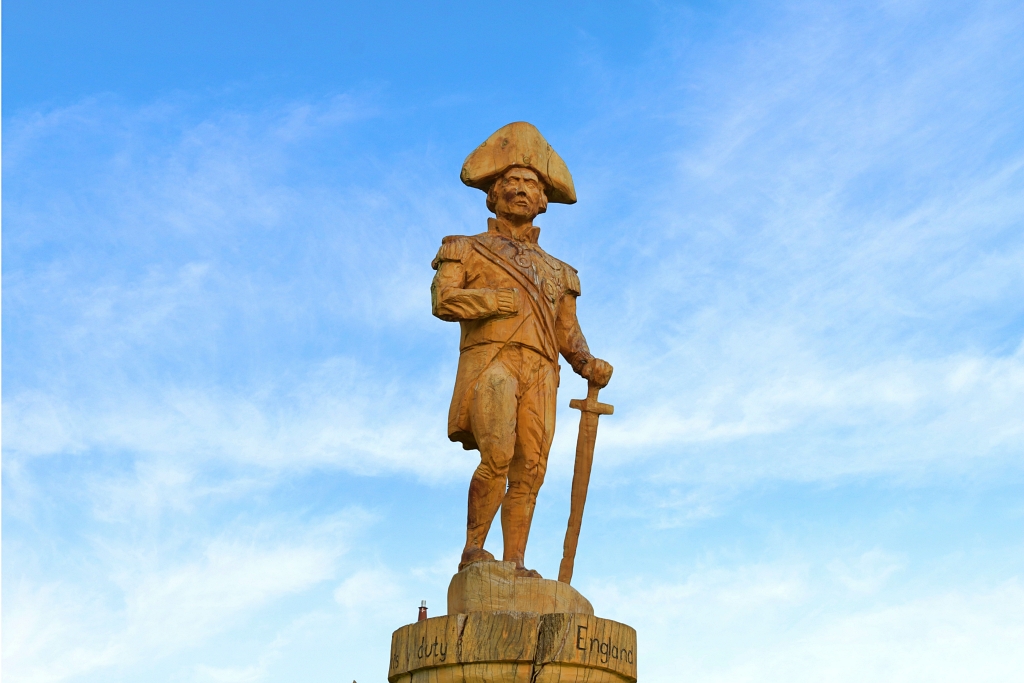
(525, 477)
(493, 416)
(536, 428)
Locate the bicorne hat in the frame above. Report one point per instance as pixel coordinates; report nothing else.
(519, 144)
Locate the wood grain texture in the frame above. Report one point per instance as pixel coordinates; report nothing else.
(516, 309)
(514, 647)
(494, 587)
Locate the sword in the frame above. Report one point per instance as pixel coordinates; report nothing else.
(590, 411)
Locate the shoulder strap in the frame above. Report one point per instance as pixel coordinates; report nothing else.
(572, 279)
(453, 248)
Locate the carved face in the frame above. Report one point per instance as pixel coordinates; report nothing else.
(518, 193)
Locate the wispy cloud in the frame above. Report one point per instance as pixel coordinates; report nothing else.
(181, 355)
(342, 417)
(831, 250)
(800, 246)
(163, 600)
(767, 623)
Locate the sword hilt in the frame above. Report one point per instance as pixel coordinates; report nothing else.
(590, 403)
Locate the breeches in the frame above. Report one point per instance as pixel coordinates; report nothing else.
(512, 418)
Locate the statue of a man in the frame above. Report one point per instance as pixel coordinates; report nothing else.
(516, 306)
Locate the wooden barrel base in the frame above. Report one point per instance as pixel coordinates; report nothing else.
(513, 647)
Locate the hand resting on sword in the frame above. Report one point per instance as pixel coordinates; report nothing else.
(597, 371)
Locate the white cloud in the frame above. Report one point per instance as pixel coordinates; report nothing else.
(775, 622)
(945, 637)
(830, 249)
(367, 589)
(811, 272)
(125, 357)
(158, 600)
(247, 674)
(943, 412)
(341, 417)
(760, 301)
(869, 572)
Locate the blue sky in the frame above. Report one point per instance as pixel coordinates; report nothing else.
(799, 234)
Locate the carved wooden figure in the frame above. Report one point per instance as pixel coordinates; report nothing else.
(516, 306)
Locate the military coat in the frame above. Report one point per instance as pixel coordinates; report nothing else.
(472, 273)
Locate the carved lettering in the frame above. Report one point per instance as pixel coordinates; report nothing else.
(611, 647)
(606, 650)
(426, 650)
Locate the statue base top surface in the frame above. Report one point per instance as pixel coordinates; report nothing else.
(494, 587)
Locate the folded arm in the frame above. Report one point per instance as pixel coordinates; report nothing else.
(451, 301)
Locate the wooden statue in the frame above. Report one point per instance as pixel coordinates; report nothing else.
(516, 306)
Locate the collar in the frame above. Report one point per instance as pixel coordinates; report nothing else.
(528, 233)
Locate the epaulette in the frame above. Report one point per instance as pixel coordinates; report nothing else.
(453, 248)
(572, 279)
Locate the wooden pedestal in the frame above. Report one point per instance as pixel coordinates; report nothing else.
(508, 629)
(513, 647)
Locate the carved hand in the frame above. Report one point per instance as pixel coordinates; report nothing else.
(597, 371)
(508, 301)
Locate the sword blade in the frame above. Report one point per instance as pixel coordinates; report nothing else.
(585, 443)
